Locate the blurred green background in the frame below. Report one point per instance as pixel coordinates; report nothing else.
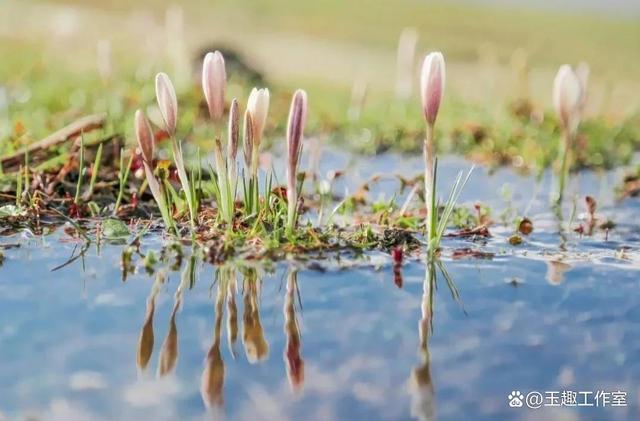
(341, 51)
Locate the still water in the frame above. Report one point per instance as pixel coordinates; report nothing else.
(338, 341)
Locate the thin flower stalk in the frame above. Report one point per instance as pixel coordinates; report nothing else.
(81, 171)
(94, 173)
(123, 177)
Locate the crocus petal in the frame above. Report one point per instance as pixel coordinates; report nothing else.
(214, 78)
(144, 135)
(232, 148)
(248, 139)
(167, 102)
(154, 186)
(234, 122)
(566, 96)
(258, 104)
(432, 79)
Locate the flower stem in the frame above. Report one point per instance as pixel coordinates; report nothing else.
(81, 170)
(429, 181)
(123, 176)
(565, 152)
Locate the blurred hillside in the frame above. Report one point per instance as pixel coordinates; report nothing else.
(494, 52)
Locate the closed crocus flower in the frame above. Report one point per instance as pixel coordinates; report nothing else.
(258, 106)
(432, 80)
(214, 79)
(295, 129)
(567, 95)
(144, 135)
(167, 102)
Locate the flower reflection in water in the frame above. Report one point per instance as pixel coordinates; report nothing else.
(169, 350)
(555, 271)
(232, 313)
(255, 345)
(292, 358)
(421, 387)
(212, 382)
(145, 343)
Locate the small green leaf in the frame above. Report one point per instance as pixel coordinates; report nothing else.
(7, 211)
(114, 228)
(515, 240)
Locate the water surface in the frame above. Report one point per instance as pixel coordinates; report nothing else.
(350, 341)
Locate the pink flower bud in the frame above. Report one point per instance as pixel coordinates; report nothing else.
(248, 139)
(214, 79)
(295, 128)
(232, 148)
(258, 105)
(567, 95)
(144, 134)
(167, 102)
(234, 130)
(432, 80)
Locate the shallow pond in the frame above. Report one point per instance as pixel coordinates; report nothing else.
(347, 340)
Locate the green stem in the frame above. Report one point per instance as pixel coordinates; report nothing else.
(19, 188)
(429, 181)
(178, 159)
(123, 177)
(255, 192)
(433, 212)
(76, 199)
(564, 168)
(94, 173)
